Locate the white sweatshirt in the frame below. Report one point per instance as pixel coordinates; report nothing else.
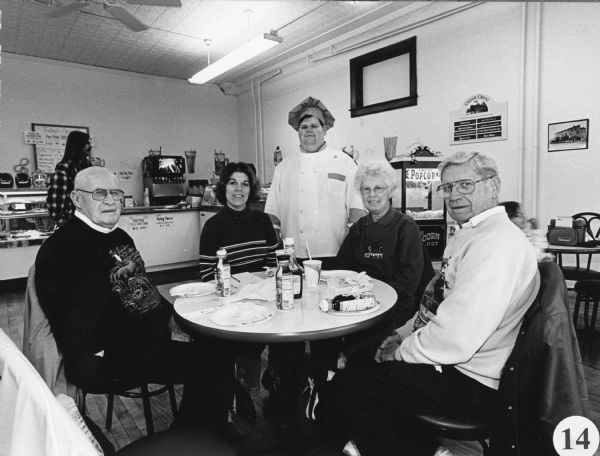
(490, 280)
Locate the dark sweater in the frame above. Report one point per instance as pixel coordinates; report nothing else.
(75, 292)
(390, 250)
(248, 236)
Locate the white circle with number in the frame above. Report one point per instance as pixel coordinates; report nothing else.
(576, 436)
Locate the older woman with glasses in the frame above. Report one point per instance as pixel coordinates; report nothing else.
(386, 244)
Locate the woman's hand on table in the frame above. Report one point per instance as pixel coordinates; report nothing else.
(387, 348)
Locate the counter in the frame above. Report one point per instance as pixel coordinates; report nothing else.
(166, 236)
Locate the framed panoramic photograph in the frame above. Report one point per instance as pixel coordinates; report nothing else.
(571, 135)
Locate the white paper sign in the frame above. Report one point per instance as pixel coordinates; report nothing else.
(164, 221)
(138, 222)
(125, 174)
(33, 137)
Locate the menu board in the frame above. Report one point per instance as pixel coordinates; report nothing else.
(51, 151)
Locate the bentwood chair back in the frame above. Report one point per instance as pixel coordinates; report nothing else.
(583, 261)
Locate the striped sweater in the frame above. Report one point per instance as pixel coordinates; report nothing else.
(248, 236)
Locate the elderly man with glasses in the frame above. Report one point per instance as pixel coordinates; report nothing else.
(110, 323)
(448, 358)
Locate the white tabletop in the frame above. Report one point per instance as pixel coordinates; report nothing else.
(572, 249)
(304, 322)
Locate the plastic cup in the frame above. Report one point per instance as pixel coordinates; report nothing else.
(312, 272)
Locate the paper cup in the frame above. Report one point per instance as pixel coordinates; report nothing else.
(312, 271)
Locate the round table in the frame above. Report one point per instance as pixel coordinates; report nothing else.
(304, 322)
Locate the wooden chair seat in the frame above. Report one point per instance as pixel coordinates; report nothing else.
(179, 442)
(458, 428)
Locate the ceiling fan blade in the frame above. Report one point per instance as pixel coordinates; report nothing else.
(130, 21)
(168, 3)
(64, 9)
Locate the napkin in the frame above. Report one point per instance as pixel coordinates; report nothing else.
(263, 290)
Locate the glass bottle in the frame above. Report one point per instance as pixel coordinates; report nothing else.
(296, 270)
(223, 274)
(284, 284)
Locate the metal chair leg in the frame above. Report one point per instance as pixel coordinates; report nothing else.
(594, 315)
(109, 410)
(147, 409)
(485, 447)
(173, 399)
(576, 309)
(586, 309)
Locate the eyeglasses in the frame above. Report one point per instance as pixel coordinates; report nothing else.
(378, 190)
(100, 194)
(463, 186)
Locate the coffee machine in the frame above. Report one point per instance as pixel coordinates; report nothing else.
(164, 177)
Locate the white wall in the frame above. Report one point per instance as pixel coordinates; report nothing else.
(477, 51)
(127, 113)
(570, 181)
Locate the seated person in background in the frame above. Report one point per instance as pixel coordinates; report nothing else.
(386, 244)
(110, 323)
(531, 229)
(249, 238)
(448, 358)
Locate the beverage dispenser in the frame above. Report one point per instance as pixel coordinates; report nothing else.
(164, 177)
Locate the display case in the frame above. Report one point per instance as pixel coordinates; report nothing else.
(417, 197)
(24, 225)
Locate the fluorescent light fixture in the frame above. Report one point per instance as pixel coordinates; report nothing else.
(251, 49)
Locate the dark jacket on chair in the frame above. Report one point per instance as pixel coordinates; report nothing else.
(542, 382)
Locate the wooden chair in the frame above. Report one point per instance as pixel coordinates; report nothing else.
(39, 346)
(579, 271)
(520, 392)
(587, 291)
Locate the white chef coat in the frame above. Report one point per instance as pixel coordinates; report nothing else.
(312, 194)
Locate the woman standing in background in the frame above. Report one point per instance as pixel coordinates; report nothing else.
(77, 157)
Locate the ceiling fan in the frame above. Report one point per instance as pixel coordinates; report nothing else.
(116, 8)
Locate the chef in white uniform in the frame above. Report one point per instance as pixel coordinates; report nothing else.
(312, 196)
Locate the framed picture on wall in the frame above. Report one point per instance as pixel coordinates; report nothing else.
(570, 135)
(384, 79)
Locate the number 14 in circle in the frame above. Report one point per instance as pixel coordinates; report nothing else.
(576, 436)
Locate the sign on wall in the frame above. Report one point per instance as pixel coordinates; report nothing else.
(50, 150)
(479, 119)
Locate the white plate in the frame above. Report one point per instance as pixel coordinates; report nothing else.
(243, 313)
(358, 312)
(191, 290)
(336, 273)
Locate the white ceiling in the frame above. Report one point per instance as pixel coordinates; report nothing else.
(174, 46)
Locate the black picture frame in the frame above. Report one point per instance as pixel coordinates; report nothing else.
(568, 135)
(357, 65)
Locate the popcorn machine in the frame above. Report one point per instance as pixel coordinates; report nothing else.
(418, 198)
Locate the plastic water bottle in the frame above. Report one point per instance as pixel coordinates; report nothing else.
(223, 274)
